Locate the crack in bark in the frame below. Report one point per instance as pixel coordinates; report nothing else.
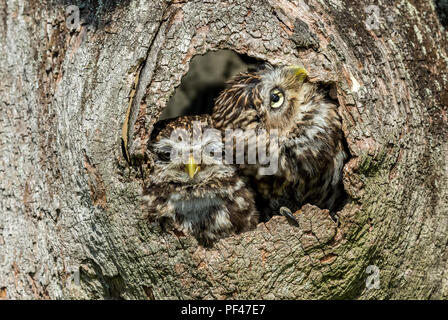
(142, 84)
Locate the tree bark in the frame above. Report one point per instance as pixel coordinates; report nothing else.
(72, 221)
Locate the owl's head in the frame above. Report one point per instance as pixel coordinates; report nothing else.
(280, 95)
(187, 155)
(272, 96)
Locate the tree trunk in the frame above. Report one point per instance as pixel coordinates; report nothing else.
(72, 221)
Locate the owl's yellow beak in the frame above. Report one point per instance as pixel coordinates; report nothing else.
(191, 167)
(299, 72)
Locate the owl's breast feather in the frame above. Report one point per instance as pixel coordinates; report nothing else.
(196, 209)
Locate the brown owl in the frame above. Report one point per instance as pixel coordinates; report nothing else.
(191, 185)
(311, 153)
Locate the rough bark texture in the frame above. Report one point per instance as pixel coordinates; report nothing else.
(72, 221)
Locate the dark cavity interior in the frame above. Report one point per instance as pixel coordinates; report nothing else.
(206, 78)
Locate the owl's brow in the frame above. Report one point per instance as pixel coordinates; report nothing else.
(206, 140)
(212, 140)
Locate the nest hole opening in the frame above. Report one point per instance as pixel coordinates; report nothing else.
(205, 79)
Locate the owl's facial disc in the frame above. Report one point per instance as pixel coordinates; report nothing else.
(280, 91)
(190, 164)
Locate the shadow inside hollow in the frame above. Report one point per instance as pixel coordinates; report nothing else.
(204, 100)
(442, 11)
(206, 78)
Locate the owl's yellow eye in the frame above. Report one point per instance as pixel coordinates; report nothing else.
(277, 98)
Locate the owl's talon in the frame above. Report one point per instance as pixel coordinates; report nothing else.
(335, 218)
(284, 211)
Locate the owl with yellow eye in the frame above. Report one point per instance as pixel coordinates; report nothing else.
(311, 152)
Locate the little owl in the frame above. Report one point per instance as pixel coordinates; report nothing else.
(191, 185)
(311, 151)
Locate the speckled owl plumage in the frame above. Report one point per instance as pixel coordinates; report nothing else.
(311, 155)
(214, 203)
